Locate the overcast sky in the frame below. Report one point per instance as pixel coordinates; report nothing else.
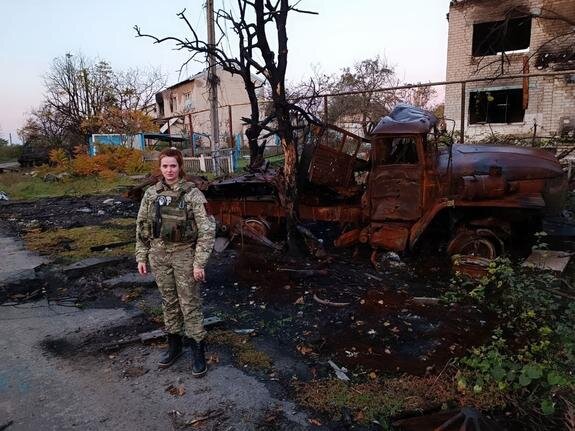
(411, 34)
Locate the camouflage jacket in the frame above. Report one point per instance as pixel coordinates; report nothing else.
(194, 205)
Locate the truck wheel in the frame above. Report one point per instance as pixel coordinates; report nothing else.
(473, 245)
(261, 226)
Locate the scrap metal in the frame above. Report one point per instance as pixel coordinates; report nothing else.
(409, 179)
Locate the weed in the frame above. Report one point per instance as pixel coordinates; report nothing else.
(244, 351)
(155, 313)
(378, 400)
(126, 222)
(530, 357)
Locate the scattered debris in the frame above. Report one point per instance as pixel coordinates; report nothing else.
(78, 268)
(314, 422)
(330, 303)
(305, 272)
(133, 372)
(205, 416)
(4, 196)
(221, 244)
(212, 321)
(159, 333)
(424, 300)
(466, 419)
(177, 391)
(339, 372)
(244, 331)
(299, 301)
(471, 419)
(548, 260)
(103, 247)
(50, 178)
(392, 257)
(129, 280)
(151, 336)
(368, 275)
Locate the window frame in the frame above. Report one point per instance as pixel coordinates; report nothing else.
(497, 44)
(509, 116)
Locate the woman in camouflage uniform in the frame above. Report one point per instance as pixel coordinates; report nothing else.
(176, 235)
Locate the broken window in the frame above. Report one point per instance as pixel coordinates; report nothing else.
(494, 37)
(173, 103)
(397, 151)
(160, 103)
(496, 106)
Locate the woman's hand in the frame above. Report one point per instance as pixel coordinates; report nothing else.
(199, 274)
(142, 268)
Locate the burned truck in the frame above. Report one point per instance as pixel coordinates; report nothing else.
(388, 189)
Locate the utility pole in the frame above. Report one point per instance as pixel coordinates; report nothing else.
(213, 94)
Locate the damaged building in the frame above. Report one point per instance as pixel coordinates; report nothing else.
(495, 38)
(188, 102)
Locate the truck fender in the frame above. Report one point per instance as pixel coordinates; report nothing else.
(419, 227)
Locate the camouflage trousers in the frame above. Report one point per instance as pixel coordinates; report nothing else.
(172, 265)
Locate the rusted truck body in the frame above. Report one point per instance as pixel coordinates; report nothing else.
(387, 190)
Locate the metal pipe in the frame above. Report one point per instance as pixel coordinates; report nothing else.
(403, 87)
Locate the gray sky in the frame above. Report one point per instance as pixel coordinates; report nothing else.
(412, 35)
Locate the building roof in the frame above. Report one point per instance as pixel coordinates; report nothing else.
(204, 74)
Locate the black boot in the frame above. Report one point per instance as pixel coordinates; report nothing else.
(174, 351)
(199, 366)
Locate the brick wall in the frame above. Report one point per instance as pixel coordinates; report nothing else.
(549, 98)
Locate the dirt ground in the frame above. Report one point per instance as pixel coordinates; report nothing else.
(296, 313)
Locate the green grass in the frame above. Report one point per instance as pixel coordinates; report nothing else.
(18, 186)
(70, 245)
(376, 400)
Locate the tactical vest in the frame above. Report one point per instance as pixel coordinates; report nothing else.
(171, 222)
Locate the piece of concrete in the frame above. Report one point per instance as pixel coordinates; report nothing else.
(146, 337)
(18, 264)
(131, 279)
(548, 260)
(76, 269)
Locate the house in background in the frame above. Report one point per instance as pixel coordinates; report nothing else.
(189, 100)
(489, 38)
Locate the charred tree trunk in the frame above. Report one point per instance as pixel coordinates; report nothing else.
(254, 130)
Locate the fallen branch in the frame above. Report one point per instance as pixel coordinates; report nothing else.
(210, 415)
(373, 276)
(306, 272)
(330, 303)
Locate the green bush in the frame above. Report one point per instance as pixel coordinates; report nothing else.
(530, 356)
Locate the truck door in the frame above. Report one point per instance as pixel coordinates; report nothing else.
(395, 183)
